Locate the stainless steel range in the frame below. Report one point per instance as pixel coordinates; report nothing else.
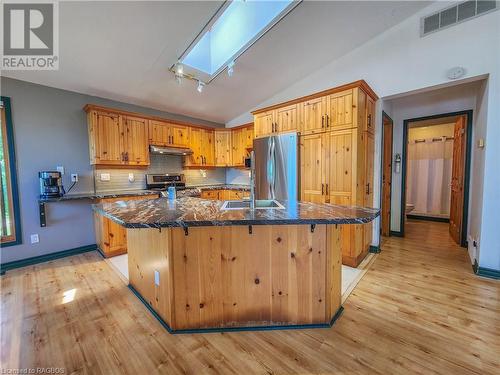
(161, 182)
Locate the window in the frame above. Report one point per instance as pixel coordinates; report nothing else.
(9, 205)
(234, 29)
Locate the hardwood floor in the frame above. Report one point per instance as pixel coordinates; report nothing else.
(419, 309)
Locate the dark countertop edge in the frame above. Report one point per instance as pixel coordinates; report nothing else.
(102, 195)
(221, 186)
(215, 223)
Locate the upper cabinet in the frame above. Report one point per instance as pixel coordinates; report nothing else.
(117, 140)
(340, 108)
(223, 148)
(202, 142)
(163, 133)
(276, 121)
(135, 135)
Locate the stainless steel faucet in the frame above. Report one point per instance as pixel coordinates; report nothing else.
(252, 180)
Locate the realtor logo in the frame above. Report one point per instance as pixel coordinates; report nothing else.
(30, 36)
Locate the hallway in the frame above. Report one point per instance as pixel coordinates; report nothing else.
(419, 309)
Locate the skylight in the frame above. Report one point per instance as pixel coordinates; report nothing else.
(236, 28)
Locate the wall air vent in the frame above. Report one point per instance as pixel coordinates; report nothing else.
(454, 14)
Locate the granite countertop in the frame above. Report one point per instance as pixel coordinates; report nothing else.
(190, 212)
(99, 195)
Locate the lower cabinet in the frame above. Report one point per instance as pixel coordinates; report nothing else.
(111, 238)
(225, 194)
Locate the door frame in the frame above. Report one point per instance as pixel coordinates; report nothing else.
(385, 115)
(468, 151)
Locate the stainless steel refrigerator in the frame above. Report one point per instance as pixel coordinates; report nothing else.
(277, 167)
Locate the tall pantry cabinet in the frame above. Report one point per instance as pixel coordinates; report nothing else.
(336, 143)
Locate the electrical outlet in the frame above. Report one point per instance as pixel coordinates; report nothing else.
(34, 238)
(60, 168)
(105, 177)
(74, 177)
(131, 177)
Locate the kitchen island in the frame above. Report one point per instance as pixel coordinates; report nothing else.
(201, 268)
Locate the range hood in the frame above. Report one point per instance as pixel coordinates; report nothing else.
(170, 150)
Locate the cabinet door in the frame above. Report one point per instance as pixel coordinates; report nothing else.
(237, 150)
(248, 137)
(314, 116)
(286, 118)
(340, 111)
(312, 168)
(158, 133)
(263, 123)
(136, 141)
(195, 141)
(179, 135)
(208, 147)
(370, 115)
(106, 138)
(340, 166)
(223, 149)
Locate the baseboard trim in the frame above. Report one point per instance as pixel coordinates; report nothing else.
(45, 258)
(486, 272)
(232, 329)
(374, 249)
(396, 233)
(428, 218)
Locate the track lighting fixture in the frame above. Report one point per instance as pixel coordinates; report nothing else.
(179, 69)
(200, 87)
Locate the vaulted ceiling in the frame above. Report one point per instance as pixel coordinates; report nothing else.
(122, 51)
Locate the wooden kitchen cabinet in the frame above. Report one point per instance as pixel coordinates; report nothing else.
(105, 138)
(340, 110)
(111, 238)
(223, 148)
(117, 140)
(336, 158)
(263, 124)
(276, 121)
(202, 143)
(248, 135)
(135, 133)
(313, 162)
(224, 194)
(313, 116)
(162, 133)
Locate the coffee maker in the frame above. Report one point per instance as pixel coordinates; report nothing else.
(50, 184)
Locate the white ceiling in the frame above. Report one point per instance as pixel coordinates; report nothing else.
(122, 51)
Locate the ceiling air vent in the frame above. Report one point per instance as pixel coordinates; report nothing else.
(457, 13)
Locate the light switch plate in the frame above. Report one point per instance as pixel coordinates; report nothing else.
(157, 278)
(60, 168)
(105, 177)
(35, 238)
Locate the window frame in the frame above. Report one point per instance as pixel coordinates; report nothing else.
(12, 170)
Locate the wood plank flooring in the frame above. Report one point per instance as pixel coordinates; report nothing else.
(419, 309)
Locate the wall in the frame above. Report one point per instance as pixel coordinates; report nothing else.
(50, 129)
(400, 61)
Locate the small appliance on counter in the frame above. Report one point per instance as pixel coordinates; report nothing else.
(161, 182)
(51, 184)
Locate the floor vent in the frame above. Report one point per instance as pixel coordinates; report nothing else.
(457, 13)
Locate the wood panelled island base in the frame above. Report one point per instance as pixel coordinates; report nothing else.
(238, 277)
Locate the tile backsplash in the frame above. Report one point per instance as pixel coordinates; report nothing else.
(119, 178)
(238, 176)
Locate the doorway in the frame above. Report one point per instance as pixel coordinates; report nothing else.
(385, 215)
(435, 171)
